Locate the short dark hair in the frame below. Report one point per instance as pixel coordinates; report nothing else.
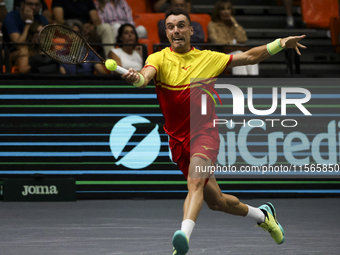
(177, 12)
(219, 5)
(121, 30)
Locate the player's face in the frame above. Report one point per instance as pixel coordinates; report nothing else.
(225, 13)
(178, 31)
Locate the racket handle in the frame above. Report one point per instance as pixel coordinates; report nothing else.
(121, 70)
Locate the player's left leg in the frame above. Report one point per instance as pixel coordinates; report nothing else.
(265, 215)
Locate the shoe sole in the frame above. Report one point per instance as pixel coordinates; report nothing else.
(273, 212)
(180, 242)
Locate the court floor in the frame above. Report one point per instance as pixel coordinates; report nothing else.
(136, 227)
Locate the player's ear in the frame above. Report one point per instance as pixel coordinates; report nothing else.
(191, 30)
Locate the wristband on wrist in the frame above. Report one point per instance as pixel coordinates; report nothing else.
(140, 82)
(274, 47)
(28, 21)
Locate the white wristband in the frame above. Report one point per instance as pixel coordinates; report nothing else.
(28, 21)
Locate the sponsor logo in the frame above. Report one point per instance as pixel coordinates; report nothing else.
(39, 190)
(185, 68)
(135, 142)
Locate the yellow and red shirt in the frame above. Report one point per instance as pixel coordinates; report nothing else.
(177, 80)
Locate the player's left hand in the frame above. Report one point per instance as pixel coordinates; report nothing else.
(292, 42)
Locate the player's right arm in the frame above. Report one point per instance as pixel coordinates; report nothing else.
(133, 76)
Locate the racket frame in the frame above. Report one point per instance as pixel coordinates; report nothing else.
(79, 35)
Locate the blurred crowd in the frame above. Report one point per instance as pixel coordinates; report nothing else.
(109, 26)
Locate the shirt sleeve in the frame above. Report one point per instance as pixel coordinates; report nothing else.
(91, 5)
(57, 3)
(220, 61)
(154, 60)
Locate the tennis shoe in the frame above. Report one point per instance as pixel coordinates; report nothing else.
(180, 243)
(271, 224)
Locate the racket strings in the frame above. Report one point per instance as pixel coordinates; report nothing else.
(63, 44)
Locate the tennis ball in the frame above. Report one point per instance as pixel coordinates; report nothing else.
(111, 64)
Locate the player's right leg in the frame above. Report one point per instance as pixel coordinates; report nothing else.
(192, 205)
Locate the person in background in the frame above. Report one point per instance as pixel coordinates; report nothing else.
(116, 13)
(44, 8)
(289, 12)
(83, 68)
(17, 23)
(162, 6)
(31, 59)
(197, 37)
(224, 29)
(86, 12)
(127, 56)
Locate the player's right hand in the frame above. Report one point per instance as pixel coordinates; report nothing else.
(131, 76)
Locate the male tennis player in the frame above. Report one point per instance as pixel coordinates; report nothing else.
(198, 145)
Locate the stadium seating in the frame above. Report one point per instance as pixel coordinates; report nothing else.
(317, 14)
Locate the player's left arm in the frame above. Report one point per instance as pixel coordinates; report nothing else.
(258, 54)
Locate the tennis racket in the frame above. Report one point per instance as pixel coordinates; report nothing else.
(69, 47)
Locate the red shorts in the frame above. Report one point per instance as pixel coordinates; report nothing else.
(204, 144)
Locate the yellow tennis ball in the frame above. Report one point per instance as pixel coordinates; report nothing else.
(111, 64)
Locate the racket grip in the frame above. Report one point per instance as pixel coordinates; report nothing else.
(121, 70)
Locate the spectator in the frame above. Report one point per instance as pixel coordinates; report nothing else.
(17, 22)
(83, 68)
(197, 37)
(44, 9)
(162, 5)
(224, 29)
(31, 58)
(116, 13)
(126, 55)
(86, 12)
(289, 12)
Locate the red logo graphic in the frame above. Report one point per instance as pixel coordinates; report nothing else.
(186, 68)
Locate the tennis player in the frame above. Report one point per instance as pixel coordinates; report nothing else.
(176, 70)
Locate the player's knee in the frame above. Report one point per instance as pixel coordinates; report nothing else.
(195, 184)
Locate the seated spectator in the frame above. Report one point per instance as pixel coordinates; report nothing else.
(44, 9)
(161, 6)
(17, 23)
(197, 37)
(31, 58)
(86, 12)
(224, 29)
(127, 56)
(116, 13)
(83, 68)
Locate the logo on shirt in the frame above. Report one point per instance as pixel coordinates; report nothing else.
(135, 142)
(186, 68)
(206, 148)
